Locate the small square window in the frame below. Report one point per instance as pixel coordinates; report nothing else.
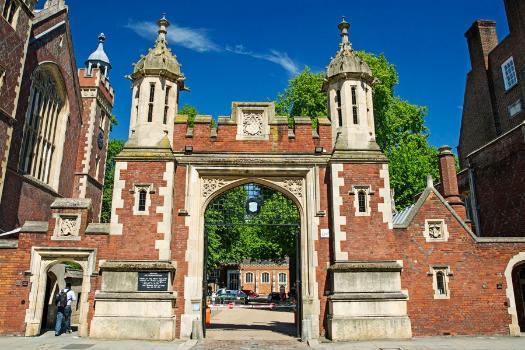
(510, 78)
(515, 108)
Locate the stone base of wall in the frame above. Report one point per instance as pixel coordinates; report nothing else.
(367, 302)
(133, 328)
(124, 310)
(366, 328)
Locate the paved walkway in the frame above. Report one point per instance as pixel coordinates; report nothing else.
(251, 324)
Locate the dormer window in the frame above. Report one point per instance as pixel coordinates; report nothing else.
(510, 78)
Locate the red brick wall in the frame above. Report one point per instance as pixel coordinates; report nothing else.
(501, 202)
(24, 198)
(476, 305)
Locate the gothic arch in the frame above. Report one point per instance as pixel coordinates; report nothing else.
(515, 261)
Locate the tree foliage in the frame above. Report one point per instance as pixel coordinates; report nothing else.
(304, 96)
(114, 148)
(234, 235)
(400, 126)
(189, 111)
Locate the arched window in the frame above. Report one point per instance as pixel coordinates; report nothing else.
(265, 277)
(361, 198)
(282, 277)
(142, 200)
(441, 283)
(248, 278)
(44, 128)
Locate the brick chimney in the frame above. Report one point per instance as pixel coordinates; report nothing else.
(449, 179)
(482, 39)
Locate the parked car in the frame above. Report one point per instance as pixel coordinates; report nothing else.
(226, 296)
(274, 297)
(251, 294)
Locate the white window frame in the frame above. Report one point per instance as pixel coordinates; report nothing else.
(262, 279)
(446, 273)
(367, 189)
(444, 230)
(285, 278)
(510, 76)
(517, 105)
(246, 277)
(137, 188)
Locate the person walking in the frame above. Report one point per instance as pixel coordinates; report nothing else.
(63, 301)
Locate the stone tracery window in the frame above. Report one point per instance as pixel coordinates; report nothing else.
(44, 127)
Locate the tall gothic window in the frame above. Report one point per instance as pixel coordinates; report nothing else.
(151, 100)
(361, 199)
(142, 200)
(42, 130)
(9, 11)
(166, 106)
(354, 105)
(339, 111)
(440, 282)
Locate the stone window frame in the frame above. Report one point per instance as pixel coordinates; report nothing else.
(246, 277)
(137, 188)
(513, 105)
(59, 219)
(367, 189)
(262, 279)
(510, 76)
(14, 18)
(446, 271)
(444, 228)
(285, 278)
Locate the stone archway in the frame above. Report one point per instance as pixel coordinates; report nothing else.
(42, 258)
(515, 261)
(204, 184)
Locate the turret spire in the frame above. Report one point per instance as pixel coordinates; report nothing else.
(343, 27)
(163, 24)
(99, 59)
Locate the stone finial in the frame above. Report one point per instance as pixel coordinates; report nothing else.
(430, 181)
(163, 24)
(101, 38)
(344, 26)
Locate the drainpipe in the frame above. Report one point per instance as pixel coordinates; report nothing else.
(473, 200)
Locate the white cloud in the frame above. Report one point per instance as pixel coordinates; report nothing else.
(190, 38)
(280, 58)
(198, 40)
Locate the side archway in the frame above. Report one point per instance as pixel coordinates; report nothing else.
(516, 263)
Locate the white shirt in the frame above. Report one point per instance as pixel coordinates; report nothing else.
(70, 296)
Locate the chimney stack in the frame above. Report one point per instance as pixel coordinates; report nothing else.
(449, 179)
(482, 39)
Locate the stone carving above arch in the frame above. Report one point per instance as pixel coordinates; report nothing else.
(293, 185)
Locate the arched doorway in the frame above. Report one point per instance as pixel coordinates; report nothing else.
(252, 274)
(518, 284)
(50, 267)
(58, 275)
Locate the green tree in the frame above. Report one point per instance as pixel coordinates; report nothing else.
(400, 126)
(114, 148)
(304, 96)
(191, 112)
(234, 235)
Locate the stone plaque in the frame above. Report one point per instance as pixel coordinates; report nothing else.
(153, 281)
(325, 233)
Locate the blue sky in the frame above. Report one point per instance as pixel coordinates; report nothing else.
(248, 50)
